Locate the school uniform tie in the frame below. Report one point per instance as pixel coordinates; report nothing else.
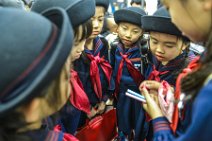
(155, 74)
(94, 72)
(78, 98)
(135, 73)
(194, 65)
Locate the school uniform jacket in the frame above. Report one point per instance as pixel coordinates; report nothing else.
(126, 63)
(157, 71)
(96, 58)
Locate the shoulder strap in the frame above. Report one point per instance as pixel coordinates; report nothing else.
(112, 50)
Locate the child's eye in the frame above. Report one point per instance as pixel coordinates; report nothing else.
(168, 46)
(135, 32)
(76, 44)
(123, 27)
(154, 42)
(101, 19)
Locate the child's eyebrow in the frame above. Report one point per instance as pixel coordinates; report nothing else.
(101, 16)
(173, 43)
(136, 29)
(152, 37)
(167, 42)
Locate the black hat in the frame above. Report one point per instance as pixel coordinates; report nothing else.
(12, 3)
(33, 51)
(79, 11)
(160, 21)
(104, 3)
(131, 15)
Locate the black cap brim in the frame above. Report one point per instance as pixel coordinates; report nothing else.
(160, 24)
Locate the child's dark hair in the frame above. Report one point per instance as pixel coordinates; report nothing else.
(186, 61)
(138, 2)
(86, 31)
(193, 82)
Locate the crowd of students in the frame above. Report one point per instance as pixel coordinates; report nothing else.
(59, 70)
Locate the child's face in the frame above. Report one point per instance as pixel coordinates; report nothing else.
(165, 47)
(58, 92)
(77, 49)
(65, 86)
(78, 46)
(128, 33)
(97, 21)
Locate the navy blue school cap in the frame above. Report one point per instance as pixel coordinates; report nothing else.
(33, 51)
(160, 21)
(79, 11)
(130, 15)
(103, 3)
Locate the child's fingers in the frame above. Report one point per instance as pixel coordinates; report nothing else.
(145, 106)
(150, 85)
(145, 93)
(153, 85)
(153, 92)
(151, 106)
(154, 97)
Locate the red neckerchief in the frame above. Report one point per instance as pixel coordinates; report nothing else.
(155, 75)
(94, 72)
(193, 65)
(66, 136)
(78, 98)
(135, 73)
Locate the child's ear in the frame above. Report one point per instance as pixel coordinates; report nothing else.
(142, 31)
(208, 5)
(185, 45)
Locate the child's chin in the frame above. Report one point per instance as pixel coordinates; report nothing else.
(127, 44)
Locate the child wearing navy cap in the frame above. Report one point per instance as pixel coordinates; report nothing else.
(169, 52)
(194, 84)
(169, 49)
(126, 63)
(93, 67)
(35, 72)
(70, 114)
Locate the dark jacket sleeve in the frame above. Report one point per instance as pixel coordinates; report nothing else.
(201, 123)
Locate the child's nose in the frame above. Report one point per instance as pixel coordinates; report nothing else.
(95, 23)
(159, 48)
(128, 34)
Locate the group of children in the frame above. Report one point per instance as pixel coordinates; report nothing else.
(66, 73)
